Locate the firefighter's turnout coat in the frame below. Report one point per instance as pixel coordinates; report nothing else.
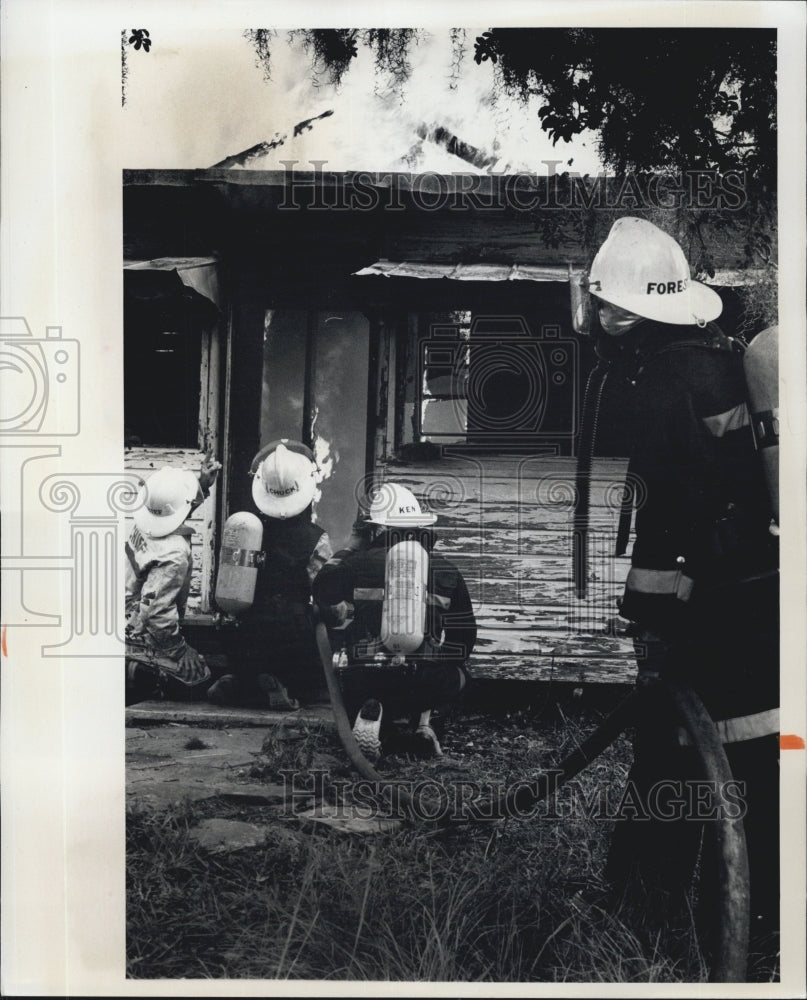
(703, 574)
(158, 579)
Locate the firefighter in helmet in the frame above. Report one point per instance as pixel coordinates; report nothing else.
(158, 576)
(702, 590)
(270, 647)
(412, 628)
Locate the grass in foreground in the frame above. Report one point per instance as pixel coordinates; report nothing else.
(481, 902)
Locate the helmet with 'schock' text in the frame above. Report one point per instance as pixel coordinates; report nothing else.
(284, 478)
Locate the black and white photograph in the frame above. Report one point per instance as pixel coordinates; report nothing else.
(435, 592)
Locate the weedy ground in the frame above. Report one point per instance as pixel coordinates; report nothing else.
(498, 901)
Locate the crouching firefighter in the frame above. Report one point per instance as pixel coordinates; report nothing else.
(702, 592)
(159, 661)
(412, 628)
(264, 585)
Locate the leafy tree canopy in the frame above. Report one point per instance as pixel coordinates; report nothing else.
(660, 98)
(657, 98)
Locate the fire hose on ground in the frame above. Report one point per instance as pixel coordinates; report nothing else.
(728, 835)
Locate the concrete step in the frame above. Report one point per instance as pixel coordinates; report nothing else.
(204, 713)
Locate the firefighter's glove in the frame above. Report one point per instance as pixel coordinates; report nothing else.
(361, 535)
(191, 668)
(209, 471)
(652, 655)
(619, 627)
(334, 615)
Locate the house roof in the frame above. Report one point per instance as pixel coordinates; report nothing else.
(505, 272)
(360, 217)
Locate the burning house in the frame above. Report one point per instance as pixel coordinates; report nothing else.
(407, 327)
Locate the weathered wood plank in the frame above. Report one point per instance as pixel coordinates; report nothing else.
(585, 670)
(150, 458)
(525, 546)
(502, 466)
(523, 634)
(527, 566)
(552, 497)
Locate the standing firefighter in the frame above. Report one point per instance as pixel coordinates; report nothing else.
(413, 626)
(702, 591)
(158, 577)
(270, 647)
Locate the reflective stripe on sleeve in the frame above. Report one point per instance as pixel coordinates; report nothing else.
(744, 727)
(439, 600)
(660, 581)
(368, 594)
(730, 420)
(766, 428)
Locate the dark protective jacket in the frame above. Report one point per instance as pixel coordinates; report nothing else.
(276, 633)
(359, 578)
(703, 567)
(295, 550)
(703, 511)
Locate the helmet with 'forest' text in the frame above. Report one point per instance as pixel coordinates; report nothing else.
(643, 271)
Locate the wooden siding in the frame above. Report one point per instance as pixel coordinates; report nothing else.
(505, 521)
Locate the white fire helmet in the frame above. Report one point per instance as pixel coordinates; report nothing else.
(284, 478)
(165, 500)
(395, 506)
(642, 270)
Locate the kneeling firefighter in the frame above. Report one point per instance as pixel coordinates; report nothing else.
(266, 568)
(702, 592)
(159, 662)
(412, 628)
